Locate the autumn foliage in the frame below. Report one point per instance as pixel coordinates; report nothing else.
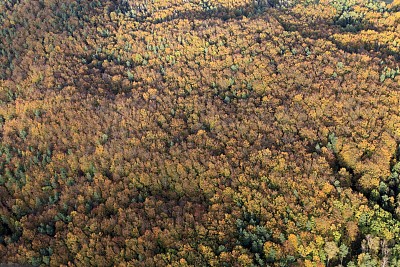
(200, 133)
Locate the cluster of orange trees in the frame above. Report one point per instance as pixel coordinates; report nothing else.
(200, 133)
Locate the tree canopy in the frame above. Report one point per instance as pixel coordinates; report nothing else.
(200, 133)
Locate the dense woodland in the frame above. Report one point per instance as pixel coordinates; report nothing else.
(200, 133)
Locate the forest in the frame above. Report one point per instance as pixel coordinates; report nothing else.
(200, 133)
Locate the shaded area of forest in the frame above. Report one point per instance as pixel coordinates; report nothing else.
(200, 133)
